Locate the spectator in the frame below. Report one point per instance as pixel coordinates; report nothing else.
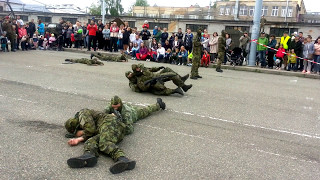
(126, 25)
(52, 41)
(78, 32)
(106, 37)
(214, 46)
(182, 56)
(100, 25)
(145, 24)
(262, 49)
(40, 43)
(317, 55)
(73, 40)
(280, 54)
(114, 31)
(154, 45)
(308, 51)
(143, 52)
(176, 43)
(272, 44)
(22, 33)
(20, 20)
(172, 38)
(24, 43)
(188, 40)
(167, 58)
(40, 27)
(158, 35)
(244, 43)
(68, 37)
(205, 60)
(47, 35)
(296, 44)
(286, 42)
(4, 42)
(135, 50)
(120, 38)
(35, 41)
(167, 45)
(32, 27)
(174, 57)
(126, 38)
(92, 31)
(7, 26)
(138, 41)
(180, 37)
(85, 35)
(129, 49)
(155, 31)
(292, 60)
(152, 55)
(133, 35)
(161, 52)
(228, 47)
(301, 38)
(100, 39)
(205, 39)
(164, 36)
(145, 35)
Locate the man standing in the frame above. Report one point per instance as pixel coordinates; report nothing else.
(32, 27)
(221, 50)
(286, 42)
(197, 49)
(92, 31)
(188, 38)
(262, 49)
(145, 35)
(296, 44)
(180, 37)
(301, 38)
(19, 20)
(164, 36)
(263, 21)
(244, 41)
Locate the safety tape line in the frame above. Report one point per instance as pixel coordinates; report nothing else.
(256, 41)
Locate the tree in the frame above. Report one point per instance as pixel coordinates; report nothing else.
(141, 3)
(95, 10)
(113, 8)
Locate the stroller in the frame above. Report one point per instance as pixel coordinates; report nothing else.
(235, 57)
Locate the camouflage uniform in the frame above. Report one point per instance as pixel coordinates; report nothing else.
(121, 58)
(6, 26)
(196, 51)
(132, 82)
(221, 48)
(90, 62)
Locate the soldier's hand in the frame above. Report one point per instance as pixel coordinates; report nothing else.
(130, 75)
(161, 67)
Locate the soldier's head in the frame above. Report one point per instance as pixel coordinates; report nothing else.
(134, 67)
(116, 103)
(199, 31)
(72, 125)
(223, 33)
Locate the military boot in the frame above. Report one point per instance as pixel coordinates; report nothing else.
(122, 164)
(91, 56)
(161, 103)
(67, 60)
(219, 70)
(179, 91)
(186, 87)
(198, 76)
(184, 78)
(193, 77)
(88, 159)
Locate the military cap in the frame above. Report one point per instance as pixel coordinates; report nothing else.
(134, 67)
(116, 100)
(72, 125)
(140, 65)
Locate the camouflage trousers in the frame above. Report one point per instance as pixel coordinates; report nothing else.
(161, 89)
(110, 58)
(145, 112)
(195, 66)
(175, 77)
(111, 132)
(89, 62)
(220, 59)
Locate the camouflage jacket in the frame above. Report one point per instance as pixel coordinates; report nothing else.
(197, 46)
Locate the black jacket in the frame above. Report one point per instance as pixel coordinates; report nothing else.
(145, 34)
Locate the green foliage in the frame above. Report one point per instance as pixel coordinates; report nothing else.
(95, 10)
(141, 3)
(113, 8)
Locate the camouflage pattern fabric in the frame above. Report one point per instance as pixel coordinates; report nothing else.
(111, 58)
(132, 82)
(89, 62)
(221, 48)
(196, 51)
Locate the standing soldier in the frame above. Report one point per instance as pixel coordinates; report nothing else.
(196, 52)
(11, 34)
(221, 50)
(263, 21)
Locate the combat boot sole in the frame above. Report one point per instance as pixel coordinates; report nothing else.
(119, 167)
(131, 165)
(80, 162)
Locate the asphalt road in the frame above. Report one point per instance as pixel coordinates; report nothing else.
(234, 125)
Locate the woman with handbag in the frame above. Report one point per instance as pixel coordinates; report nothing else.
(308, 51)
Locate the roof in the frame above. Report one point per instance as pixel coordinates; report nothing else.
(13, 1)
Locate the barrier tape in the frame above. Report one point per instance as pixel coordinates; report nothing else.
(256, 41)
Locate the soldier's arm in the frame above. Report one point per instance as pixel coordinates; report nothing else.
(154, 69)
(108, 109)
(128, 121)
(88, 124)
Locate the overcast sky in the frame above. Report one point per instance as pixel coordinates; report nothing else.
(311, 5)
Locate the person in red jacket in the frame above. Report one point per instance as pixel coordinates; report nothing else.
(205, 58)
(92, 28)
(145, 24)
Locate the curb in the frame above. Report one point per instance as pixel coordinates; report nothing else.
(237, 68)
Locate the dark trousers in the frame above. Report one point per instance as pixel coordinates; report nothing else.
(291, 66)
(107, 45)
(68, 42)
(189, 48)
(114, 45)
(77, 43)
(101, 43)
(92, 39)
(24, 45)
(270, 59)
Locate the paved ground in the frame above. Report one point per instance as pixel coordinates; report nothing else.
(235, 125)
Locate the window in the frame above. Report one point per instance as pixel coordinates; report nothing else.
(45, 19)
(152, 15)
(265, 10)
(207, 17)
(195, 27)
(71, 20)
(24, 18)
(1, 8)
(243, 11)
(193, 16)
(221, 10)
(165, 15)
(132, 24)
(283, 11)
(233, 10)
(275, 11)
(239, 28)
(179, 16)
(162, 25)
(251, 11)
(139, 15)
(278, 32)
(227, 12)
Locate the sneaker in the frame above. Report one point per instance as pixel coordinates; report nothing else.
(304, 71)
(308, 72)
(179, 64)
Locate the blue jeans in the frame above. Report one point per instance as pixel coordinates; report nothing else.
(134, 52)
(262, 57)
(316, 66)
(85, 41)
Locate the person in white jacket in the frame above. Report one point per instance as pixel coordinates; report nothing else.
(161, 52)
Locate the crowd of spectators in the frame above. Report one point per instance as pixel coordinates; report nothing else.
(158, 45)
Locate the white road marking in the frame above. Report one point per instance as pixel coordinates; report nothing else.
(18, 99)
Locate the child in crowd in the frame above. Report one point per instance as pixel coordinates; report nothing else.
(47, 35)
(174, 57)
(52, 41)
(182, 56)
(73, 40)
(205, 58)
(40, 43)
(176, 43)
(24, 43)
(292, 60)
(68, 37)
(35, 41)
(280, 54)
(190, 57)
(152, 55)
(135, 50)
(45, 44)
(129, 50)
(145, 24)
(154, 45)
(4, 42)
(172, 38)
(167, 58)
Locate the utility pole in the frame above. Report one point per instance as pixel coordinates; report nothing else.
(255, 32)
(287, 8)
(103, 11)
